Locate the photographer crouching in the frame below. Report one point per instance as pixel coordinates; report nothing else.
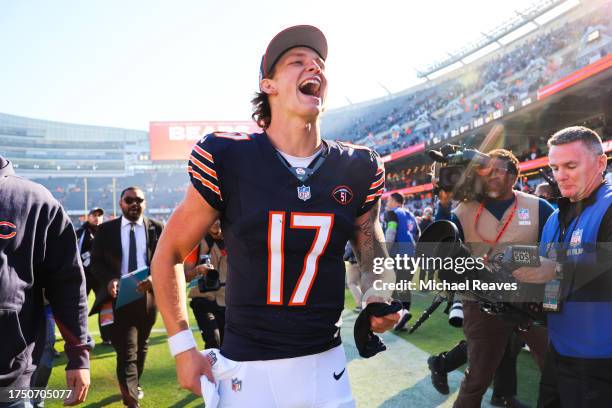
(208, 264)
(490, 216)
(575, 247)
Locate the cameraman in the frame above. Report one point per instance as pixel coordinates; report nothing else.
(503, 217)
(208, 307)
(577, 237)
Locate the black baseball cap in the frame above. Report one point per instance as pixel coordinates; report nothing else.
(296, 36)
(97, 211)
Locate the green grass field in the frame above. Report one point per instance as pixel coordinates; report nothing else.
(158, 381)
(159, 378)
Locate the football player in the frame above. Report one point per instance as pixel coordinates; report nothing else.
(288, 202)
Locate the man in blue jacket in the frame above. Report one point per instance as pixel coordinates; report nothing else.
(38, 250)
(401, 233)
(576, 252)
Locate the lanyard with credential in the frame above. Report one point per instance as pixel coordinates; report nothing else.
(556, 290)
(504, 228)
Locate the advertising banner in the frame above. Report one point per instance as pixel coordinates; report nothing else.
(174, 140)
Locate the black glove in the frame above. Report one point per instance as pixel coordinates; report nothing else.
(368, 343)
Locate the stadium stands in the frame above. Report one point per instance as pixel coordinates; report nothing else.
(86, 166)
(41, 148)
(78, 163)
(480, 89)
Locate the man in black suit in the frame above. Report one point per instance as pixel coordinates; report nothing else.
(122, 246)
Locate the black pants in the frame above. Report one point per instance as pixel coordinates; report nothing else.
(130, 337)
(211, 321)
(575, 382)
(487, 338)
(504, 383)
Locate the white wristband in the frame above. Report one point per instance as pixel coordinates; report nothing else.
(181, 341)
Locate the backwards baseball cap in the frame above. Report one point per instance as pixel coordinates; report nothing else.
(296, 36)
(96, 211)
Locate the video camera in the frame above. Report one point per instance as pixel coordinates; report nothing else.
(210, 282)
(456, 170)
(522, 305)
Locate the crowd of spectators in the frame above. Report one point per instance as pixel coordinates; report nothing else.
(407, 177)
(164, 191)
(479, 92)
(406, 120)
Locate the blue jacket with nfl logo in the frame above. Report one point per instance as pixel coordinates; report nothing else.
(578, 235)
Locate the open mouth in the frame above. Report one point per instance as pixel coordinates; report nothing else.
(311, 87)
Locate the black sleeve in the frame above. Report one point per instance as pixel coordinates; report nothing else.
(545, 211)
(158, 227)
(455, 220)
(65, 287)
(203, 166)
(376, 180)
(209, 242)
(592, 282)
(390, 216)
(605, 228)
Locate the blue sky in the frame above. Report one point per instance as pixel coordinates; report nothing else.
(125, 63)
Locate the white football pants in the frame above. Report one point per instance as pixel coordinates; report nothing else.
(314, 381)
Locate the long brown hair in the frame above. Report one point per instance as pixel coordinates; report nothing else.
(262, 113)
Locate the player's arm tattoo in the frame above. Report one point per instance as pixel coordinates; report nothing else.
(370, 249)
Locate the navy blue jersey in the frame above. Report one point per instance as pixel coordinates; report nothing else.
(285, 239)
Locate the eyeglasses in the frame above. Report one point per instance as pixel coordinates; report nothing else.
(499, 170)
(132, 200)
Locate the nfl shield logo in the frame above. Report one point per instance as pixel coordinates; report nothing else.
(303, 192)
(212, 358)
(236, 384)
(523, 214)
(576, 237)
